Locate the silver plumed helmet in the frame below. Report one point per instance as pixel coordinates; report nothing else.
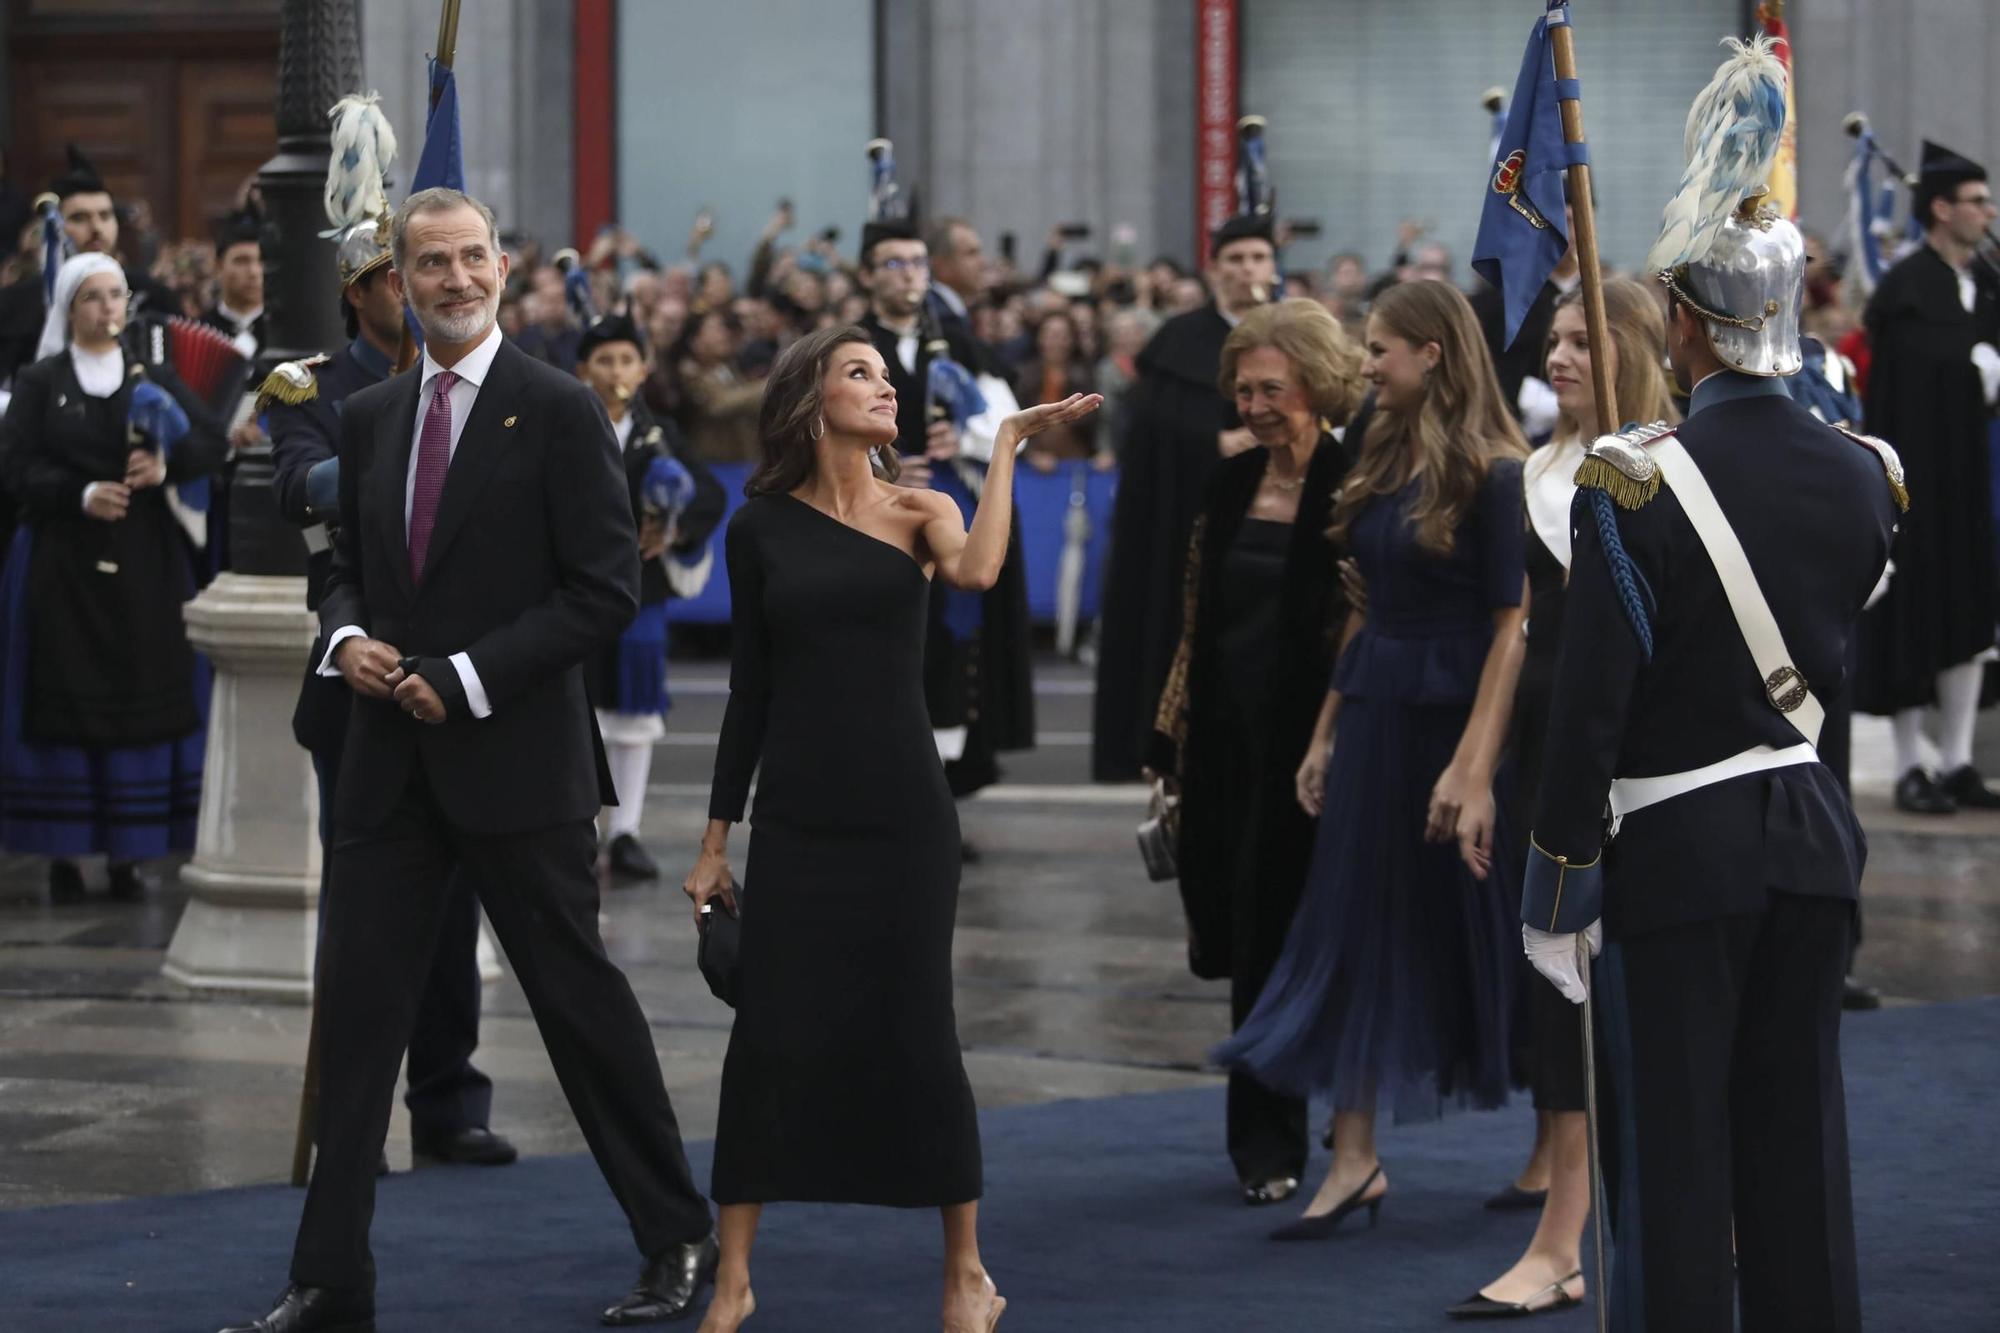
(363, 248)
(1739, 265)
(1749, 290)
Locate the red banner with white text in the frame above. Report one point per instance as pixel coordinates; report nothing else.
(1215, 118)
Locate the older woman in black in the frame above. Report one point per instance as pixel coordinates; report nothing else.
(1257, 645)
(102, 707)
(843, 1082)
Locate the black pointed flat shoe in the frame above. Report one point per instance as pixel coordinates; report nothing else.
(1859, 996)
(1477, 1306)
(315, 1310)
(1319, 1228)
(1271, 1191)
(630, 860)
(1514, 1198)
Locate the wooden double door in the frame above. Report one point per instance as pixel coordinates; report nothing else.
(174, 103)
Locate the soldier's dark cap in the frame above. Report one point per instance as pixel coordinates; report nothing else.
(1242, 227)
(245, 224)
(617, 327)
(887, 229)
(80, 177)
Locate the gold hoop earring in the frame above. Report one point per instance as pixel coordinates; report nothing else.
(819, 430)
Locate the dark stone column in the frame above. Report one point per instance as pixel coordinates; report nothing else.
(319, 62)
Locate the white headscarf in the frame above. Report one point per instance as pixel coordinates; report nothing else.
(55, 325)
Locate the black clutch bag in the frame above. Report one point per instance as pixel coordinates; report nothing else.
(719, 954)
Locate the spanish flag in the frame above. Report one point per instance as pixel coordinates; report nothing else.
(1784, 181)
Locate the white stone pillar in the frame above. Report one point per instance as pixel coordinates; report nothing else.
(251, 917)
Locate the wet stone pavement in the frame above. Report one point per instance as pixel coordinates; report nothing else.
(1070, 976)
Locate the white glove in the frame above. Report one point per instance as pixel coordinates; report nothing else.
(1554, 956)
(1987, 359)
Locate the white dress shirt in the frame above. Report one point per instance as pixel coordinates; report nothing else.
(471, 370)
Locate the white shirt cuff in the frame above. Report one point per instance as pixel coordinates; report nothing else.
(86, 494)
(1987, 359)
(326, 666)
(475, 693)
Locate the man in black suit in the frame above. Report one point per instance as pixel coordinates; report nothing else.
(486, 550)
(450, 1100)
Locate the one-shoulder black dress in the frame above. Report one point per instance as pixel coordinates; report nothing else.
(843, 1081)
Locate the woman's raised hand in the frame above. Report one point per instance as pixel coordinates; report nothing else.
(1034, 420)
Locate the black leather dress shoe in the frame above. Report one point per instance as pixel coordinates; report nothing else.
(475, 1145)
(315, 1310)
(1919, 794)
(127, 884)
(629, 860)
(1968, 790)
(669, 1285)
(1857, 996)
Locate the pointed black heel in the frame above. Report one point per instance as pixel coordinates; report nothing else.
(1319, 1228)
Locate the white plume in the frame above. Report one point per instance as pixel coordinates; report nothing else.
(1733, 130)
(363, 148)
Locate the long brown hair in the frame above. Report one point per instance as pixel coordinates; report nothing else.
(794, 398)
(1639, 332)
(1461, 426)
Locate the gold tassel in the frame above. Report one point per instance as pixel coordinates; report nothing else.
(1601, 474)
(1902, 494)
(294, 388)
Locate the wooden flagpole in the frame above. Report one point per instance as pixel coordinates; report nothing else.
(1563, 45)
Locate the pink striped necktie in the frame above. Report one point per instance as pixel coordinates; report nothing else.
(433, 460)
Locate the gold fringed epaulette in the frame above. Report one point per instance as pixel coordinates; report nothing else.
(1892, 465)
(1619, 465)
(291, 383)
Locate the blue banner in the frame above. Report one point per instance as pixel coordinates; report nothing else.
(1522, 228)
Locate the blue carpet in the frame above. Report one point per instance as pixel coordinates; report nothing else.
(1102, 1216)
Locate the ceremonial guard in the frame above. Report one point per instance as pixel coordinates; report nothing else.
(1933, 376)
(1685, 823)
(676, 504)
(1181, 427)
(89, 226)
(448, 1098)
(976, 672)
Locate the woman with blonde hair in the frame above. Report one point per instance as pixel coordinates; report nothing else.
(1262, 610)
(1396, 980)
(1549, 1054)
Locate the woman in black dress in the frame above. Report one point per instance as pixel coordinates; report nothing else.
(843, 1081)
(1262, 613)
(102, 701)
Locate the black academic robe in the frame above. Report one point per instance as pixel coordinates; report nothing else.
(1175, 413)
(983, 683)
(108, 657)
(1925, 398)
(1515, 362)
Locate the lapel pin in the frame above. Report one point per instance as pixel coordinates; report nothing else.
(510, 421)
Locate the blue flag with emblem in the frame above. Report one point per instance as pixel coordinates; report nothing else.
(443, 160)
(1522, 229)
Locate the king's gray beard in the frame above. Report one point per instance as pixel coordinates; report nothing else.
(461, 328)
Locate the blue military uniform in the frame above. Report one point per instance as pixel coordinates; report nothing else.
(303, 401)
(1728, 907)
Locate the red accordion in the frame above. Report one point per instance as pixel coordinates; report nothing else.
(206, 360)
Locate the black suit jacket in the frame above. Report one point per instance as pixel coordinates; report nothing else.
(533, 566)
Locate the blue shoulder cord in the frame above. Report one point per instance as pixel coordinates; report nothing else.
(1633, 591)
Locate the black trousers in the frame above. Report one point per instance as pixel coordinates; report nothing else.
(384, 913)
(446, 1092)
(1722, 1048)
